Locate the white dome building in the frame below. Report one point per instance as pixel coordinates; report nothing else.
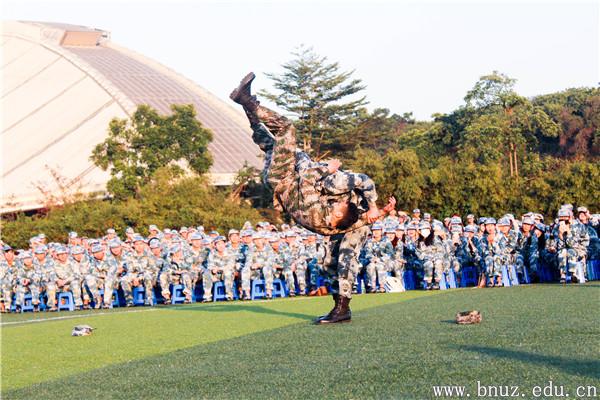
(62, 84)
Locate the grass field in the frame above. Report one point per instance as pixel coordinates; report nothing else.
(397, 346)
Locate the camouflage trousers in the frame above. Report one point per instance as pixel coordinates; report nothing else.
(377, 269)
(493, 265)
(169, 278)
(249, 274)
(315, 270)
(568, 259)
(523, 260)
(208, 278)
(32, 289)
(129, 281)
(95, 284)
(288, 276)
(6, 292)
(341, 259)
(52, 288)
(433, 268)
(397, 268)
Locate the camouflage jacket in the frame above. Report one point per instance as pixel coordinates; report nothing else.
(264, 257)
(309, 195)
(221, 262)
(378, 251)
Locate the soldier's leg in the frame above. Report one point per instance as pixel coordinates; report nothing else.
(572, 260)
(109, 286)
(186, 280)
(562, 257)
(371, 276)
(207, 284)
(382, 270)
(165, 280)
(7, 295)
(288, 275)
(301, 269)
(76, 291)
(149, 281)
(268, 273)
(92, 284)
(428, 271)
(347, 263)
(228, 282)
(51, 293)
(20, 298)
(246, 276)
(126, 283)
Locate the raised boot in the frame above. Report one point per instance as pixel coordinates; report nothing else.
(336, 299)
(341, 313)
(242, 94)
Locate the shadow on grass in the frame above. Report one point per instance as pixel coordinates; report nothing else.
(258, 309)
(589, 368)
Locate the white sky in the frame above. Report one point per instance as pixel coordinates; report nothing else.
(419, 57)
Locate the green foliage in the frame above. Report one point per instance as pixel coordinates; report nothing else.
(316, 92)
(135, 149)
(165, 200)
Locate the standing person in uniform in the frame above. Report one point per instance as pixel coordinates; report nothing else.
(317, 196)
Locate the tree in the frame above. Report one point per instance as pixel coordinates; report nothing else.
(136, 148)
(315, 91)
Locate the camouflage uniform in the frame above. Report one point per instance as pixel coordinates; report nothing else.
(29, 280)
(69, 273)
(83, 270)
(124, 275)
(493, 254)
(306, 190)
(282, 265)
(142, 269)
(8, 275)
(177, 271)
(398, 260)
(378, 255)
(103, 276)
(224, 263)
(258, 261)
(299, 256)
(432, 257)
(313, 256)
(571, 246)
(48, 279)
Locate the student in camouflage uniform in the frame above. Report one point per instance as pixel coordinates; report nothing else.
(8, 275)
(66, 277)
(571, 239)
(220, 266)
(29, 280)
(141, 270)
(103, 276)
(378, 256)
(124, 277)
(197, 256)
(493, 253)
(178, 271)
(316, 195)
(83, 270)
(282, 260)
(314, 254)
(45, 267)
(430, 251)
(298, 263)
(259, 264)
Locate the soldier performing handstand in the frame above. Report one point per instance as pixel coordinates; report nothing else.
(317, 195)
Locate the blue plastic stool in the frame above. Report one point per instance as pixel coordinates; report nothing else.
(177, 295)
(451, 279)
(505, 277)
(116, 298)
(139, 296)
(258, 289)
(69, 302)
(469, 276)
(218, 291)
(278, 288)
(27, 303)
(361, 281)
(514, 279)
(409, 279)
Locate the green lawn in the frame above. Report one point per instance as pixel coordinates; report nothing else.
(397, 346)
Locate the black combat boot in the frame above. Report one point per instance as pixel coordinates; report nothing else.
(242, 94)
(341, 313)
(336, 299)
